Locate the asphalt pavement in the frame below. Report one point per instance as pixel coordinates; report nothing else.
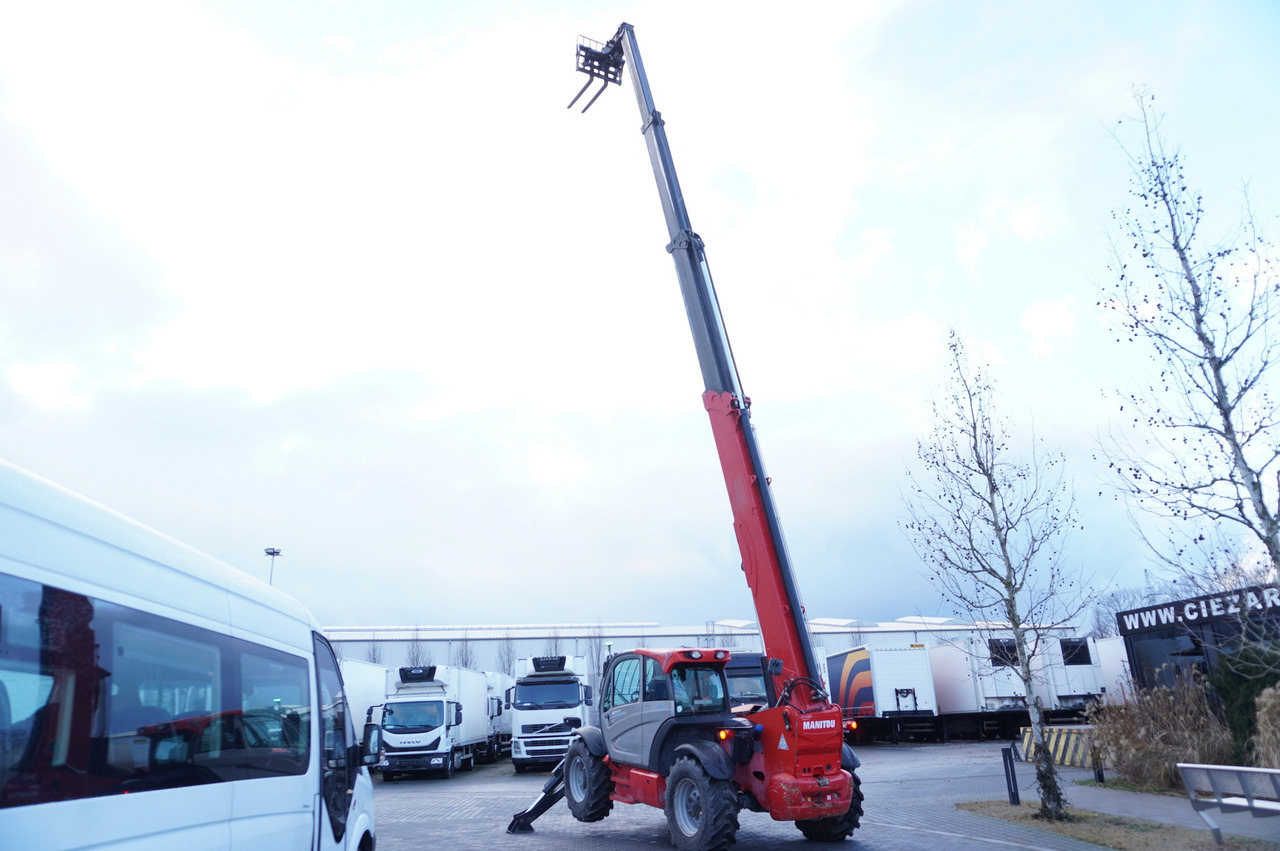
(911, 792)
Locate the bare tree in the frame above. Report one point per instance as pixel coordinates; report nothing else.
(1204, 439)
(990, 530)
(464, 655)
(551, 647)
(373, 653)
(507, 654)
(595, 650)
(1108, 605)
(418, 653)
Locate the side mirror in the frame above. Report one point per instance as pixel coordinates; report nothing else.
(457, 713)
(507, 698)
(572, 722)
(588, 698)
(372, 747)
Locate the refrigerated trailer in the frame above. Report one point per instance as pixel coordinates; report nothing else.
(887, 691)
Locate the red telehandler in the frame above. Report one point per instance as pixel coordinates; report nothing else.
(668, 735)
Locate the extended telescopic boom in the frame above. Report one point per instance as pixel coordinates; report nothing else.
(764, 552)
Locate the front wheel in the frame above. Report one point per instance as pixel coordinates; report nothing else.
(588, 783)
(702, 813)
(836, 828)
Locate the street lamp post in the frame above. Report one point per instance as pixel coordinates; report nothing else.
(273, 552)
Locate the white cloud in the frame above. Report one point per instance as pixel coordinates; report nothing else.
(1050, 324)
(48, 385)
(970, 245)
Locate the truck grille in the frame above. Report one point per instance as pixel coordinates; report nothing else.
(547, 747)
(435, 743)
(530, 729)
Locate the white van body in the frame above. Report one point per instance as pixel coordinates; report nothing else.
(152, 697)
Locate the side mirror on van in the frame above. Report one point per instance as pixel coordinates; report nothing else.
(588, 696)
(371, 749)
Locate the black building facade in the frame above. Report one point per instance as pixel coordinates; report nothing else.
(1176, 639)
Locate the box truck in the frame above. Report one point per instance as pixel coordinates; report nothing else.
(548, 702)
(366, 688)
(434, 718)
(496, 684)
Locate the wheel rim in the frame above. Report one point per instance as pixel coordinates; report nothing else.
(688, 806)
(577, 779)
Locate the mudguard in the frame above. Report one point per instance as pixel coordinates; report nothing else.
(593, 738)
(848, 759)
(714, 759)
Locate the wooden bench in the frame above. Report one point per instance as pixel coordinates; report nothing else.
(1234, 790)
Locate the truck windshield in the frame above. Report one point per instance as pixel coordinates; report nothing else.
(554, 695)
(748, 689)
(416, 717)
(699, 688)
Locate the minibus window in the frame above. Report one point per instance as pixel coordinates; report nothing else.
(100, 699)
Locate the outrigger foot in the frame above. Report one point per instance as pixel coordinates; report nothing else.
(552, 792)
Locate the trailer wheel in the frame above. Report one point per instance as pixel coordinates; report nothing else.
(702, 813)
(588, 783)
(836, 828)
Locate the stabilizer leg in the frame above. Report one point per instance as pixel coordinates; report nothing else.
(552, 792)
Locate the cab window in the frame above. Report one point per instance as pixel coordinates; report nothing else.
(624, 684)
(699, 688)
(655, 682)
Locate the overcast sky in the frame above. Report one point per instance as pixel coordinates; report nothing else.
(347, 279)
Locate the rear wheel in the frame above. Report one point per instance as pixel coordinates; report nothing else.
(702, 813)
(588, 783)
(836, 828)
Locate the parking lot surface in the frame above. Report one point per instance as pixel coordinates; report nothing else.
(911, 792)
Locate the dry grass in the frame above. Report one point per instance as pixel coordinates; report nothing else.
(1119, 832)
(1159, 727)
(1266, 742)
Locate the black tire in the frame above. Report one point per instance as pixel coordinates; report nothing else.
(588, 783)
(387, 776)
(702, 813)
(520, 767)
(450, 765)
(836, 828)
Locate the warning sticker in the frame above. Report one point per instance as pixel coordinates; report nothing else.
(782, 743)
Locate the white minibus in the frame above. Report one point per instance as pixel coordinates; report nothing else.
(152, 697)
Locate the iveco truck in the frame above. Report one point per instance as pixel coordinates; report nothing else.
(435, 718)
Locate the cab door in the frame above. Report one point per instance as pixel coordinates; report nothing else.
(621, 711)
